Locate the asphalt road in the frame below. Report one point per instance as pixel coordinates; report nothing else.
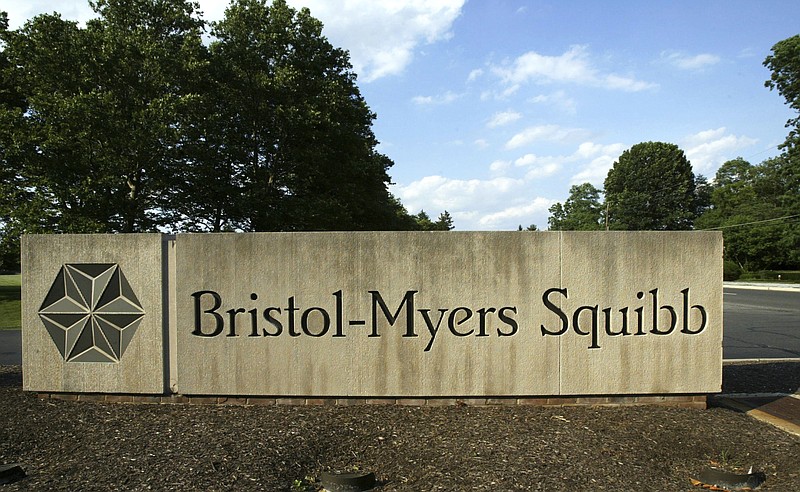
(10, 348)
(759, 324)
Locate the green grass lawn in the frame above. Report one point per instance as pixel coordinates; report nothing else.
(10, 309)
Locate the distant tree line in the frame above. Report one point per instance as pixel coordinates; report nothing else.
(133, 123)
(755, 206)
(651, 186)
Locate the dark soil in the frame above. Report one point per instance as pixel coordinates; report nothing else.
(68, 445)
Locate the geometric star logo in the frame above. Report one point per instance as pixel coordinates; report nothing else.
(91, 312)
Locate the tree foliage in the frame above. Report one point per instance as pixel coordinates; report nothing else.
(134, 124)
(756, 208)
(784, 62)
(424, 222)
(104, 106)
(87, 144)
(651, 187)
(581, 211)
(290, 130)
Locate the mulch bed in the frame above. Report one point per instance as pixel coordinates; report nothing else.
(72, 445)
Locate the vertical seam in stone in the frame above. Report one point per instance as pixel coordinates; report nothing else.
(560, 286)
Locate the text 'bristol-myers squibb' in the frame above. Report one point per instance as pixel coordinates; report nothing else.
(644, 316)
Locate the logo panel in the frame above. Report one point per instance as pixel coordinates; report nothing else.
(91, 312)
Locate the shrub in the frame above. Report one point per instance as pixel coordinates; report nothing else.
(731, 270)
(771, 275)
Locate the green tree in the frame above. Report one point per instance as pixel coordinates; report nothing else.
(444, 222)
(148, 54)
(753, 206)
(291, 146)
(424, 222)
(12, 106)
(784, 62)
(702, 194)
(133, 124)
(37, 133)
(651, 187)
(104, 108)
(580, 212)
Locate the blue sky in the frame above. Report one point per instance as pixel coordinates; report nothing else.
(493, 109)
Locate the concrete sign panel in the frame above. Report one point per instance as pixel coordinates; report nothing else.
(92, 309)
(454, 314)
(374, 314)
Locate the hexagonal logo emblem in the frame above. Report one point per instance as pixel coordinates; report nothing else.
(91, 312)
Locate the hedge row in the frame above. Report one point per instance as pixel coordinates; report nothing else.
(732, 271)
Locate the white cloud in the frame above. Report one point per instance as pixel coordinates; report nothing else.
(550, 133)
(627, 84)
(19, 12)
(499, 166)
(214, 10)
(595, 159)
(526, 160)
(445, 98)
(574, 66)
(501, 95)
(747, 53)
(558, 99)
(704, 136)
(499, 203)
(590, 150)
(503, 118)
(709, 149)
(441, 193)
(481, 143)
(474, 75)
(571, 66)
(540, 167)
(543, 170)
(382, 37)
(684, 61)
(522, 212)
(504, 201)
(600, 159)
(595, 171)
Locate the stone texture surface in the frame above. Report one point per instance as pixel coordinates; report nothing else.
(141, 367)
(473, 270)
(353, 315)
(608, 270)
(447, 271)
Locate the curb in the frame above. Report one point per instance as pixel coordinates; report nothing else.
(761, 360)
(764, 286)
(764, 407)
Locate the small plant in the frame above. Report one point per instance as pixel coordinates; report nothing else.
(727, 459)
(307, 484)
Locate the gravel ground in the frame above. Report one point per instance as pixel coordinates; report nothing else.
(87, 446)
